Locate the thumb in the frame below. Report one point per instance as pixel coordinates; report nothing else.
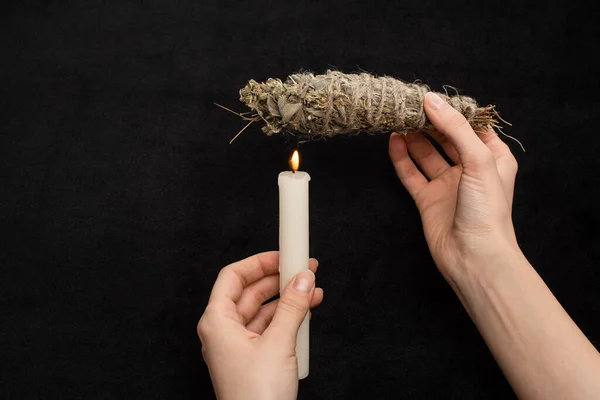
(294, 303)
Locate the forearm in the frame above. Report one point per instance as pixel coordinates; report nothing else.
(541, 351)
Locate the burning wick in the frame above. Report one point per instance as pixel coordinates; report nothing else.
(295, 161)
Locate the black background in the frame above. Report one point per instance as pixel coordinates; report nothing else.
(121, 197)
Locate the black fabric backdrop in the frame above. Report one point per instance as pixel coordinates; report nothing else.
(122, 199)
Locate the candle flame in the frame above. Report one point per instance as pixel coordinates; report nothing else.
(295, 161)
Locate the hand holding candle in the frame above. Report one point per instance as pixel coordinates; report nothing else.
(293, 243)
(246, 343)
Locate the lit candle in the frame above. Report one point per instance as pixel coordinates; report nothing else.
(293, 243)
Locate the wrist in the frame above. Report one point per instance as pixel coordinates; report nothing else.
(481, 268)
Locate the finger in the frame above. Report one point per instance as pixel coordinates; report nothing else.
(260, 291)
(292, 308)
(506, 162)
(408, 173)
(448, 147)
(232, 279)
(265, 315)
(474, 155)
(425, 155)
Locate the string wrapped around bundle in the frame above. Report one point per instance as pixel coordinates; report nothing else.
(337, 103)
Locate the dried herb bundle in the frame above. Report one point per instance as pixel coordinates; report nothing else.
(337, 103)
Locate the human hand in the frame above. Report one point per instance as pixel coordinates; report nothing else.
(466, 214)
(250, 348)
(465, 208)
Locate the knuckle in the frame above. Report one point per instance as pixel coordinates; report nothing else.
(504, 149)
(224, 272)
(507, 164)
(513, 164)
(438, 171)
(412, 171)
(503, 146)
(202, 328)
(291, 305)
(260, 295)
(205, 324)
(229, 273)
(244, 317)
(427, 151)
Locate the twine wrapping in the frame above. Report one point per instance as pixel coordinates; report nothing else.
(337, 103)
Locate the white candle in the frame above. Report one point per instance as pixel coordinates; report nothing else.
(293, 244)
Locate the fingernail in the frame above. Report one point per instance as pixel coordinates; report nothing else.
(435, 101)
(304, 281)
(316, 261)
